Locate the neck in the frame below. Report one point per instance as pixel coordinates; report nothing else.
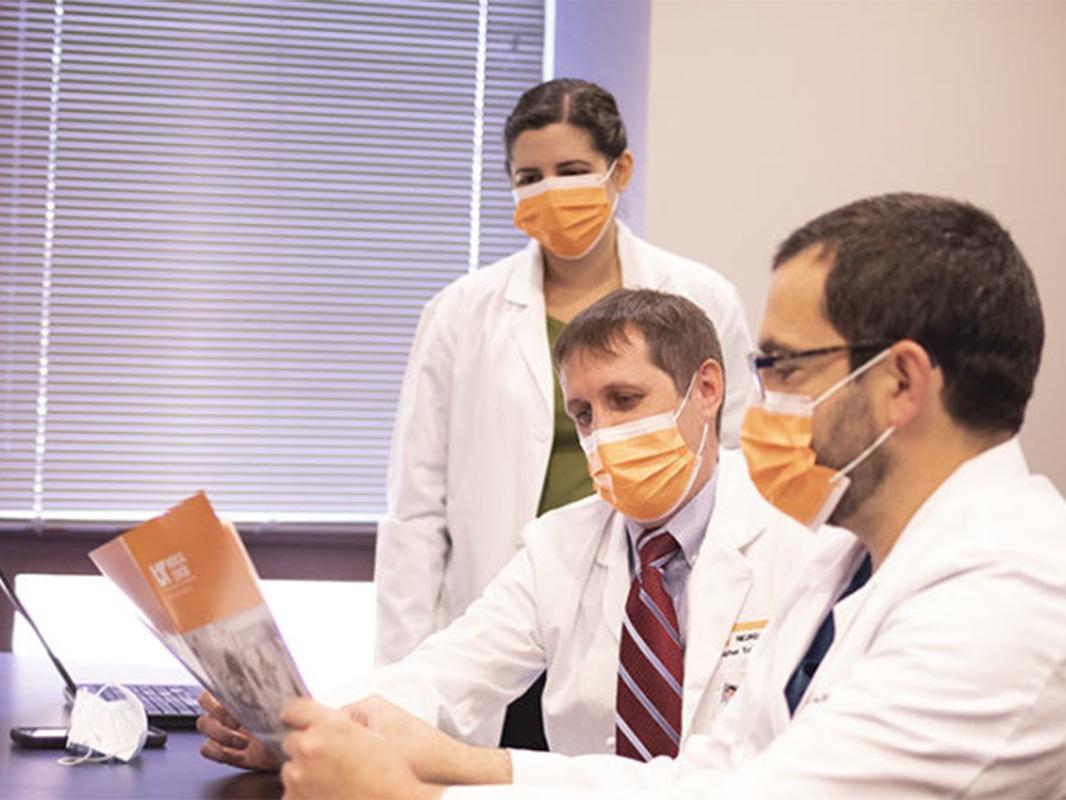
(915, 474)
(598, 267)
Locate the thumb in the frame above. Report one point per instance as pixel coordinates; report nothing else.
(302, 712)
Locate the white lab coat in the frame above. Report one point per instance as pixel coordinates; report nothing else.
(947, 675)
(559, 605)
(474, 430)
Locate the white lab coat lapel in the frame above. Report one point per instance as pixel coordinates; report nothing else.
(525, 294)
(805, 611)
(613, 556)
(717, 587)
(638, 270)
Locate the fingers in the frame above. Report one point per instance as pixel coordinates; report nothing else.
(209, 703)
(300, 713)
(224, 755)
(322, 728)
(214, 729)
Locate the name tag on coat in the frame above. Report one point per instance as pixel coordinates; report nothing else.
(738, 645)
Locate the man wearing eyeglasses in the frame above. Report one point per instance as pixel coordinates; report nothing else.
(922, 654)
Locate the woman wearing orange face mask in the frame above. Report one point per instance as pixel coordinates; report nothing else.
(481, 442)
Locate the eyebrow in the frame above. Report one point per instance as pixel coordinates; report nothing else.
(616, 386)
(770, 346)
(576, 162)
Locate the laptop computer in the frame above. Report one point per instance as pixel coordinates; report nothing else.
(172, 707)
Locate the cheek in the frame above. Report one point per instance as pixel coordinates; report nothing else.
(691, 424)
(836, 427)
(841, 433)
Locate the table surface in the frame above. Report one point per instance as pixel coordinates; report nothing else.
(31, 694)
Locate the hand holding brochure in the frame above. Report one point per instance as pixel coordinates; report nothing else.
(193, 581)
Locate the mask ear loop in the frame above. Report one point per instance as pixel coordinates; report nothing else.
(873, 362)
(688, 394)
(87, 757)
(880, 440)
(681, 407)
(703, 435)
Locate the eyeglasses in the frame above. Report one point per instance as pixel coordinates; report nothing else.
(759, 363)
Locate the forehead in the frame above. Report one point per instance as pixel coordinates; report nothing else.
(553, 144)
(585, 373)
(794, 317)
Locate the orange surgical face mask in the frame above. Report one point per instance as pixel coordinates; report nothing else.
(776, 440)
(568, 214)
(644, 468)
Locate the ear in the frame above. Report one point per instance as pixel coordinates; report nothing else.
(623, 171)
(710, 386)
(913, 384)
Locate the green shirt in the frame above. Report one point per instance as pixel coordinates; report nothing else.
(567, 478)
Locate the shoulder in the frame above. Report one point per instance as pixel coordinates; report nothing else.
(574, 532)
(1021, 517)
(487, 282)
(683, 275)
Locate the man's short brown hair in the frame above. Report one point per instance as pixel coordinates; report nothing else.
(678, 333)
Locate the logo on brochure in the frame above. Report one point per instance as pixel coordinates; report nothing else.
(170, 570)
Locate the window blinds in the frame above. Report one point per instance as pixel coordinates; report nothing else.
(220, 223)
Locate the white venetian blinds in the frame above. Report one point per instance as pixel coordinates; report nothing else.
(220, 221)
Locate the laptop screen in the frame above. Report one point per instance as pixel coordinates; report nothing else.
(9, 590)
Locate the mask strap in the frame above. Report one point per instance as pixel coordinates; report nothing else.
(873, 362)
(684, 400)
(880, 440)
(607, 175)
(681, 407)
(85, 758)
(703, 443)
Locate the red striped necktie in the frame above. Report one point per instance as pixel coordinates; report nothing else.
(651, 660)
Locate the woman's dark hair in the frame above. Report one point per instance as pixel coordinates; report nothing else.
(574, 101)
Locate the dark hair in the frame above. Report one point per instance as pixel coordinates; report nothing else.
(677, 332)
(944, 274)
(574, 101)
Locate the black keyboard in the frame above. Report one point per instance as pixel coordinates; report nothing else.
(168, 707)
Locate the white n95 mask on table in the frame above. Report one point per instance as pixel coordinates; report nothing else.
(106, 728)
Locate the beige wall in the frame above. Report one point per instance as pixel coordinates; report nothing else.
(762, 115)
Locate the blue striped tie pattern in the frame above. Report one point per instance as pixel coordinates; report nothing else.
(651, 660)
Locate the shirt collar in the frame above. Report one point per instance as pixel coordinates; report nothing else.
(688, 524)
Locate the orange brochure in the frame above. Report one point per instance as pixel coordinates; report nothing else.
(192, 580)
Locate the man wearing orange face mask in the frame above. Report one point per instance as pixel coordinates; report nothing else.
(642, 602)
(921, 654)
(481, 443)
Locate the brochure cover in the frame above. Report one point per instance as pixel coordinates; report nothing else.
(192, 580)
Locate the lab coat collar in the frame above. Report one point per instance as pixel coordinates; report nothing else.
(998, 464)
(720, 579)
(525, 286)
(637, 259)
(525, 292)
